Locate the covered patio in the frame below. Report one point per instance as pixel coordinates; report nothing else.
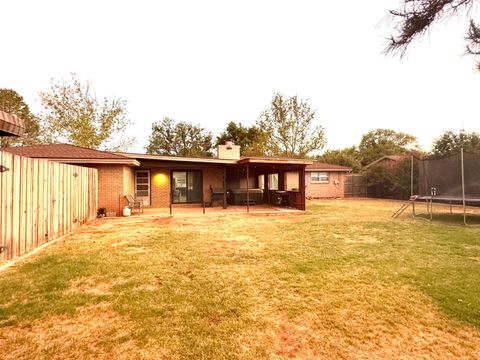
(274, 182)
(247, 184)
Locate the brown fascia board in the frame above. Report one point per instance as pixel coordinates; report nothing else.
(177, 158)
(274, 161)
(129, 162)
(329, 170)
(216, 160)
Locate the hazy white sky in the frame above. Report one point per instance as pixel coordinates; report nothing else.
(211, 62)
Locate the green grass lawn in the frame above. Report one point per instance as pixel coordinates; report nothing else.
(341, 281)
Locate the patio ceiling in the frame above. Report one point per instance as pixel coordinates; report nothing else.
(11, 125)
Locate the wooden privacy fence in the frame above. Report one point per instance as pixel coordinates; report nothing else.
(41, 200)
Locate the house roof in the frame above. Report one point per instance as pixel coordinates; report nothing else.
(70, 153)
(76, 154)
(212, 160)
(319, 166)
(273, 160)
(11, 125)
(394, 158)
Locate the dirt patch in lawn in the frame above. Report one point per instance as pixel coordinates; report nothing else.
(90, 286)
(292, 343)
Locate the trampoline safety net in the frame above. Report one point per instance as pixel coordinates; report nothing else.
(442, 178)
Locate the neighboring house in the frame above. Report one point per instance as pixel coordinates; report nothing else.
(387, 160)
(163, 180)
(325, 180)
(388, 177)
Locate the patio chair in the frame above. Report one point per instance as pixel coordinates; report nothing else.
(134, 203)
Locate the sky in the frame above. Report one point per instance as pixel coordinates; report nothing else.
(212, 62)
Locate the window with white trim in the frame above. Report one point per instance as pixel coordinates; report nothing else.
(320, 177)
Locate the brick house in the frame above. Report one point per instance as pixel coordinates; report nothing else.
(218, 181)
(164, 180)
(325, 180)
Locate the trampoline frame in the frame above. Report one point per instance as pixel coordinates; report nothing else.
(443, 200)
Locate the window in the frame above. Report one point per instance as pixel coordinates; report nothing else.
(320, 177)
(261, 181)
(272, 181)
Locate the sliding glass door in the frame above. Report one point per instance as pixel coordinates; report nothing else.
(187, 186)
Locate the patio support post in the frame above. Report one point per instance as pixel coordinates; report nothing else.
(224, 187)
(248, 189)
(301, 181)
(266, 196)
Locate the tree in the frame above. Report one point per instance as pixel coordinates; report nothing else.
(450, 143)
(289, 124)
(381, 142)
(13, 103)
(389, 180)
(349, 156)
(251, 139)
(73, 114)
(179, 139)
(415, 17)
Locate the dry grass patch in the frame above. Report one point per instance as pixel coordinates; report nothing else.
(94, 331)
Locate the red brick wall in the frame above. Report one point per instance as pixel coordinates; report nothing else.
(160, 187)
(324, 190)
(128, 180)
(110, 187)
(114, 181)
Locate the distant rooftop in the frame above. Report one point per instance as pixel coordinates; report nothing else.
(319, 166)
(11, 125)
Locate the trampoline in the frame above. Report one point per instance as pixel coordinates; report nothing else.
(453, 180)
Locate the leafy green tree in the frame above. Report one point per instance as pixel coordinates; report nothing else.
(290, 126)
(381, 142)
(252, 140)
(345, 157)
(13, 103)
(415, 17)
(179, 139)
(386, 180)
(450, 143)
(73, 114)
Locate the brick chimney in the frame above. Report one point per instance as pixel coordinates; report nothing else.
(229, 151)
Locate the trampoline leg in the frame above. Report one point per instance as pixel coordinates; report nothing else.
(431, 210)
(413, 210)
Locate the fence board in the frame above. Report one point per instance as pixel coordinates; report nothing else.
(41, 200)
